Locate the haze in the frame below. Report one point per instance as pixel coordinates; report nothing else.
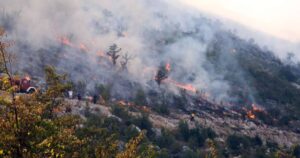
(280, 18)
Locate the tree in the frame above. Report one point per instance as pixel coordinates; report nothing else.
(113, 53)
(296, 151)
(131, 149)
(161, 74)
(166, 139)
(124, 61)
(184, 131)
(140, 97)
(56, 86)
(35, 135)
(35, 125)
(6, 65)
(213, 153)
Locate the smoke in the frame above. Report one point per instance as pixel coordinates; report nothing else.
(152, 32)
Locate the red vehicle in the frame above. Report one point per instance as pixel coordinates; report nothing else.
(24, 85)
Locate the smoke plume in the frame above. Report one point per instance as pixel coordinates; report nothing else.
(74, 36)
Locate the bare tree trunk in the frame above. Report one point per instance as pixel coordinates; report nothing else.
(6, 70)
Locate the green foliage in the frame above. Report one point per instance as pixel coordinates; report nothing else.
(235, 142)
(296, 151)
(163, 154)
(120, 112)
(166, 139)
(144, 124)
(196, 138)
(43, 130)
(162, 109)
(242, 144)
(189, 154)
(184, 131)
(56, 84)
(140, 98)
(35, 135)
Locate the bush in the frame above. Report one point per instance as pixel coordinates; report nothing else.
(184, 131)
(165, 140)
(237, 143)
(196, 138)
(140, 98)
(257, 141)
(189, 154)
(234, 142)
(208, 133)
(144, 124)
(296, 151)
(162, 109)
(130, 132)
(163, 154)
(120, 112)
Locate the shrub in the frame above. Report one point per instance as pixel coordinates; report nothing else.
(140, 98)
(166, 139)
(184, 131)
(234, 142)
(162, 109)
(296, 151)
(163, 154)
(196, 138)
(144, 124)
(120, 112)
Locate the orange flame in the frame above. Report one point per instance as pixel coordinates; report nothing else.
(168, 67)
(251, 115)
(256, 108)
(83, 47)
(100, 53)
(66, 41)
(187, 87)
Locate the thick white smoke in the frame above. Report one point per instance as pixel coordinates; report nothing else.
(153, 32)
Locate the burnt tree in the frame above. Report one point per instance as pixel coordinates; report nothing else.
(125, 60)
(161, 74)
(113, 53)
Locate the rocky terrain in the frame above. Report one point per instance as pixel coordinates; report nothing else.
(223, 125)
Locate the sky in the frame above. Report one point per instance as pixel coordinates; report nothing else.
(279, 18)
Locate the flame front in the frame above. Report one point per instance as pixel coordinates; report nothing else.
(251, 115)
(187, 87)
(66, 41)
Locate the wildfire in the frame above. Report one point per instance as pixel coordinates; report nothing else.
(125, 103)
(100, 53)
(256, 108)
(66, 41)
(251, 115)
(168, 67)
(187, 87)
(83, 47)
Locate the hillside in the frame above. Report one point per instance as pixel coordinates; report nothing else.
(140, 79)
